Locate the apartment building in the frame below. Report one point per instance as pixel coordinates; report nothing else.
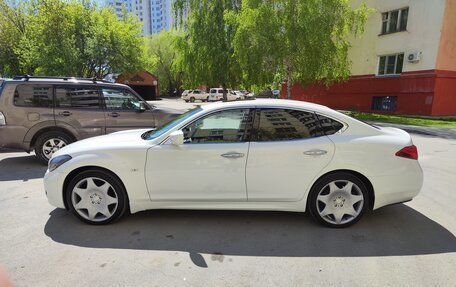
(404, 63)
(118, 5)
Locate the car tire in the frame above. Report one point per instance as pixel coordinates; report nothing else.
(207, 99)
(192, 100)
(186, 101)
(96, 197)
(50, 142)
(338, 200)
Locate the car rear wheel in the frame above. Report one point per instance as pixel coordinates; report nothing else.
(96, 197)
(338, 200)
(49, 143)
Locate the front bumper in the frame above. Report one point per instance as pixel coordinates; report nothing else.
(53, 185)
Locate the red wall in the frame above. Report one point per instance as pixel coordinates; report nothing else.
(430, 92)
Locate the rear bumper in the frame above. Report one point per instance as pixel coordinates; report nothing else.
(13, 137)
(398, 188)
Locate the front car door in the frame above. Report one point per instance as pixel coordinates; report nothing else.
(210, 165)
(123, 110)
(80, 108)
(287, 151)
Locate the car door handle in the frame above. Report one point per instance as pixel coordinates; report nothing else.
(315, 152)
(232, 155)
(65, 113)
(114, 115)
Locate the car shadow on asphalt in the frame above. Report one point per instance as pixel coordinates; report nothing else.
(392, 231)
(21, 168)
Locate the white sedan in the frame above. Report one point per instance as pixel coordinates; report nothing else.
(250, 155)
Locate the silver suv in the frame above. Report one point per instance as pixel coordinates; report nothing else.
(46, 113)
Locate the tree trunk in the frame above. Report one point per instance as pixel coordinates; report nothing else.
(225, 97)
(289, 80)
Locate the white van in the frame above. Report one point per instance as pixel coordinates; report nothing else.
(216, 94)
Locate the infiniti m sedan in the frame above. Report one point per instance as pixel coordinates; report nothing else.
(251, 155)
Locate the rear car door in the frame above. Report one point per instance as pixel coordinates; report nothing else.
(80, 108)
(287, 151)
(123, 110)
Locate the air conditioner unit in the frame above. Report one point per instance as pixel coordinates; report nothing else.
(414, 56)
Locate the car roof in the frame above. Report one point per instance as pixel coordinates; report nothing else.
(280, 103)
(61, 80)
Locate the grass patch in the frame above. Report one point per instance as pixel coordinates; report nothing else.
(404, 120)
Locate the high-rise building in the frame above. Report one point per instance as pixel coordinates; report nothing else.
(118, 5)
(156, 15)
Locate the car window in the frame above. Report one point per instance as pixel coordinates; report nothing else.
(221, 127)
(84, 97)
(153, 134)
(120, 99)
(213, 91)
(328, 125)
(33, 96)
(285, 124)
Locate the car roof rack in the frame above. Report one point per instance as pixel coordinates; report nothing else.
(27, 77)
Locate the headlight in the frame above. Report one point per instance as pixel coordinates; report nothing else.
(58, 161)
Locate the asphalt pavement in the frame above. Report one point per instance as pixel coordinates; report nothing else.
(410, 244)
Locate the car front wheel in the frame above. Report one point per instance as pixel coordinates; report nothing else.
(338, 200)
(96, 197)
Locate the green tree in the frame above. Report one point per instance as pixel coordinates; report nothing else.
(71, 38)
(162, 58)
(12, 29)
(207, 50)
(302, 40)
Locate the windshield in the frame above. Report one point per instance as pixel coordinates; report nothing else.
(152, 134)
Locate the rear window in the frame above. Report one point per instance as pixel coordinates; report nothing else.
(1, 86)
(33, 96)
(329, 126)
(84, 97)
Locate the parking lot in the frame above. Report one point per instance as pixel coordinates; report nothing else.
(411, 244)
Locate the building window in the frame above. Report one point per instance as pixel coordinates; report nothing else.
(394, 21)
(390, 64)
(387, 104)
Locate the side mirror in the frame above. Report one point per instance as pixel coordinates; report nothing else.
(176, 138)
(143, 107)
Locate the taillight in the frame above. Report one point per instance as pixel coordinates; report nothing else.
(408, 152)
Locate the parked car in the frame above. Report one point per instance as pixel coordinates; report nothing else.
(216, 94)
(194, 95)
(47, 113)
(239, 95)
(254, 155)
(266, 94)
(185, 92)
(276, 94)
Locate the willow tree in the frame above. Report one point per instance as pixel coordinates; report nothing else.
(305, 41)
(207, 46)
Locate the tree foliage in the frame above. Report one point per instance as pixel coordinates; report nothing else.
(303, 40)
(57, 37)
(162, 59)
(262, 40)
(207, 47)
